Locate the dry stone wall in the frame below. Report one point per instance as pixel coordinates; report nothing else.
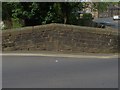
(60, 37)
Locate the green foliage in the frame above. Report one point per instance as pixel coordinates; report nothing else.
(86, 20)
(16, 23)
(102, 6)
(35, 13)
(67, 11)
(87, 16)
(0, 10)
(42, 12)
(6, 10)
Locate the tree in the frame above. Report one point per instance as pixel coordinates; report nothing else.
(7, 14)
(66, 9)
(37, 13)
(102, 6)
(0, 11)
(32, 13)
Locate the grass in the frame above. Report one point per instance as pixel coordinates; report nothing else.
(16, 24)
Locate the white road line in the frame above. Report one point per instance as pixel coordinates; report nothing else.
(60, 55)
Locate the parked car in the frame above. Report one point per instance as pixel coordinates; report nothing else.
(110, 22)
(116, 17)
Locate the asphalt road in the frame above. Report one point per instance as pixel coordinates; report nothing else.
(59, 72)
(108, 22)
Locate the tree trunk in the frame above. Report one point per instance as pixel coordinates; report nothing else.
(65, 19)
(98, 9)
(8, 23)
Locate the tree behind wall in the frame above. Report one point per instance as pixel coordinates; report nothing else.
(7, 14)
(37, 13)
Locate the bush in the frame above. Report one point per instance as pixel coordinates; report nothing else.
(86, 20)
(87, 16)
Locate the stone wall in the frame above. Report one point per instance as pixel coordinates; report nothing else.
(59, 37)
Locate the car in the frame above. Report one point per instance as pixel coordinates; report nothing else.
(116, 17)
(109, 21)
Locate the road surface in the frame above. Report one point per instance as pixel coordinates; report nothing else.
(59, 72)
(108, 22)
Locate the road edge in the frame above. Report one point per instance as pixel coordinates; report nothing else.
(62, 55)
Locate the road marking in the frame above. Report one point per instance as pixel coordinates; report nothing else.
(60, 55)
(56, 61)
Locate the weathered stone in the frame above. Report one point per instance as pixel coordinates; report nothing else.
(59, 37)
